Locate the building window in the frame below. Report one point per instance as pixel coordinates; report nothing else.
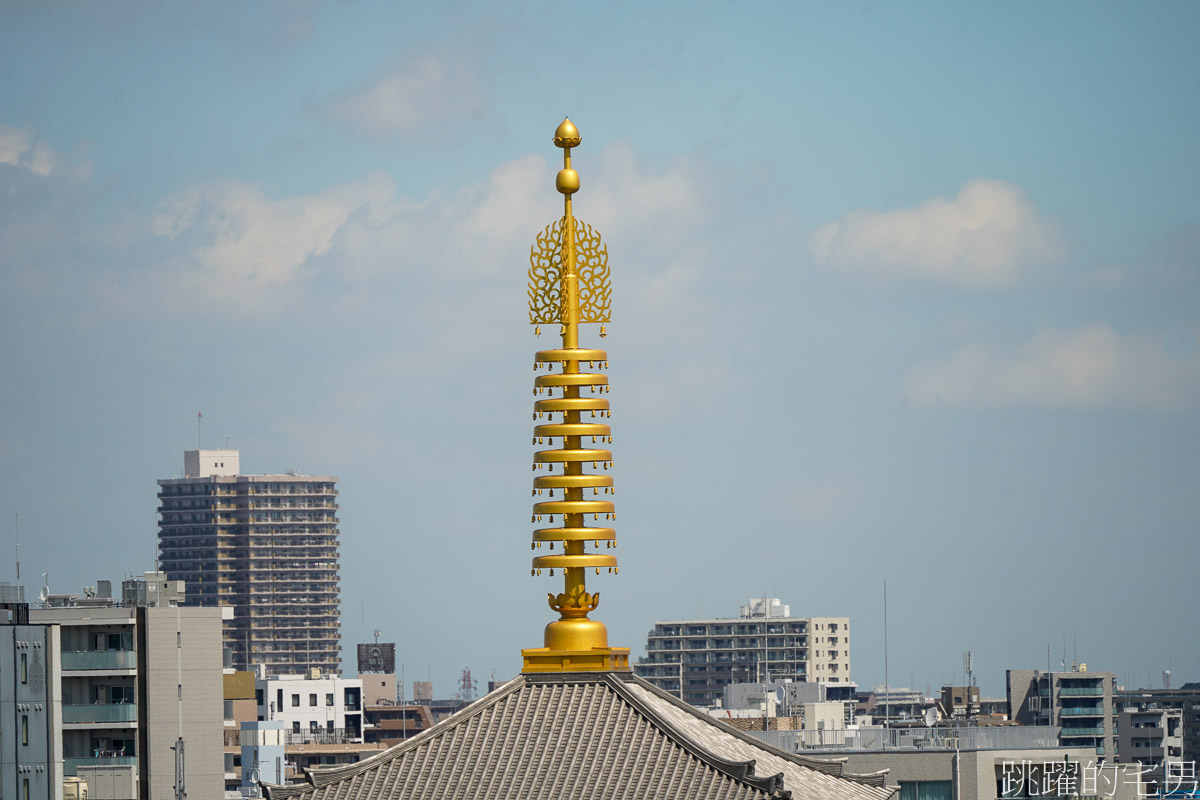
(329, 699)
(312, 699)
(312, 725)
(925, 790)
(24, 668)
(295, 726)
(295, 700)
(25, 729)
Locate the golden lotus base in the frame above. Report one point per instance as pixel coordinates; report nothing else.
(596, 659)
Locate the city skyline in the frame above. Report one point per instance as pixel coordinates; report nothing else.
(903, 293)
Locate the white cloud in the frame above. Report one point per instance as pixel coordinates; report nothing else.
(985, 237)
(426, 96)
(239, 240)
(1089, 367)
(23, 148)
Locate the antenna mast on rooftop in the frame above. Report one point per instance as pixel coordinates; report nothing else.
(199, 419)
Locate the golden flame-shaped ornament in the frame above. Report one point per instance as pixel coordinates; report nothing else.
(569, 283)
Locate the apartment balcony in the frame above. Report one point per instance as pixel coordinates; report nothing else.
(72, 764)
(98, 659)
(1080, 691)
(1068, 733)
(1082, 711)
(101, 713)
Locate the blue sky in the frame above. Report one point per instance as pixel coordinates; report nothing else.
(902, 291)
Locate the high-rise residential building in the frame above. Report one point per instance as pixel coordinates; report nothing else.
(1079, 702)
(264, 545)
(695, 659)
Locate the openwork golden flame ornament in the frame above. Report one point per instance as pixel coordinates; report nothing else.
(570, 283)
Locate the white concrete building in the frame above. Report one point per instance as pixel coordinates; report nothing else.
(696, 659)
(313, 708)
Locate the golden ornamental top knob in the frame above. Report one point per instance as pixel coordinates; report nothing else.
(567, 135)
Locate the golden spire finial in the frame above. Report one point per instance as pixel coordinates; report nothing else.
(569, 284)
(566, 135)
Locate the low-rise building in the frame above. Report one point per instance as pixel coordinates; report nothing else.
(391, 723)
(314, 708)
(1186, 700)
(966, 763)
(1151, 737)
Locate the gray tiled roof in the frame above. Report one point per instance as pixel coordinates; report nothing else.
(581, 735)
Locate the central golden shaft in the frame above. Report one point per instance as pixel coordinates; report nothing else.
(574, 581)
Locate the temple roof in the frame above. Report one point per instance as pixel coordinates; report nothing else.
(583, 735)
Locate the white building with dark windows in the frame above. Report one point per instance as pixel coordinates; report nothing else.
(264, 545)
(314, 709)
(696, 659)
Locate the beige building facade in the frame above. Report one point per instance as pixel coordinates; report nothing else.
(129, 675)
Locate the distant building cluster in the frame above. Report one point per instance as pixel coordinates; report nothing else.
(219, 674)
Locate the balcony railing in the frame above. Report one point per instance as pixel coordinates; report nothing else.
(1083, 711)
(99, 659)
(1081, 691)
(71, 764)
(324, 736)
(100, 712)
(1069, 732)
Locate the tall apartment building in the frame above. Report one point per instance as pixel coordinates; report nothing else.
(1079, 702)
(696, 659)
(265, 545)
(130, 677)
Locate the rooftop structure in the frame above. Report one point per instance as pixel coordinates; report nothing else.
(577, 722)
(264, 545)
(696, 659)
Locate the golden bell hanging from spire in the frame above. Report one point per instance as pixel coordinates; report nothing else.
(570, 283)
